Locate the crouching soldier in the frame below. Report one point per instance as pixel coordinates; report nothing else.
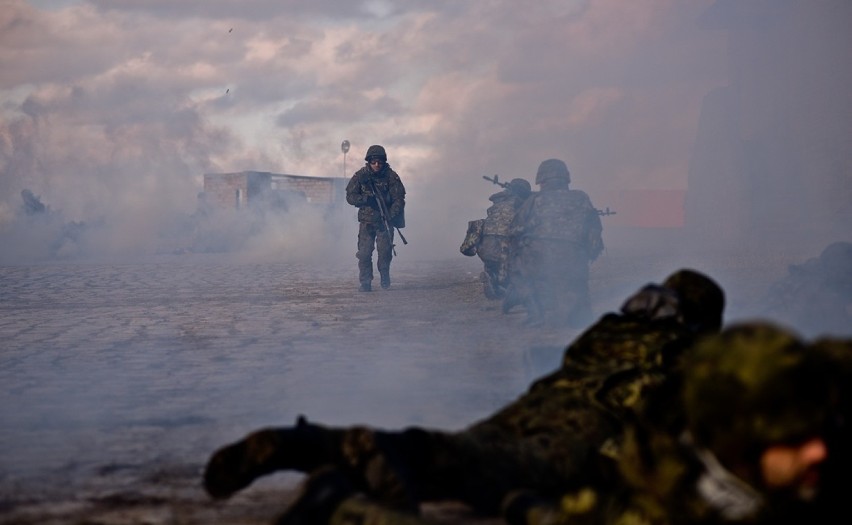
(489, 238)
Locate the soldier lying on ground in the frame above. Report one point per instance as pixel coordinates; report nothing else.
(758, 435)
(544, 440)
(753, 431)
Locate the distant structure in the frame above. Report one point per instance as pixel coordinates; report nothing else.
(773, 158)
(250, 189)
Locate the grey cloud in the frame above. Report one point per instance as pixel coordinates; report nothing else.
(342, 109)
(261, 9)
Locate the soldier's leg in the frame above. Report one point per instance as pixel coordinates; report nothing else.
(366, 243)
(389, 466)
(577, 299)
(303, 447)
(384, 245)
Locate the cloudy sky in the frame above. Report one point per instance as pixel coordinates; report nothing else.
(117, 107)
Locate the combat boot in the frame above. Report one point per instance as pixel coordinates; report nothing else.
(385, 279)
(489, 286)
(366, 287)
(303, 447)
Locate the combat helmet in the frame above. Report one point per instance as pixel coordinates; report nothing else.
(701, 302)
(520, 187)
(552, 169)
(753, 385)
(376, 151)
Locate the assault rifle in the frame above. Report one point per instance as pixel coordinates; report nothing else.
(383, 211)
(496, 180)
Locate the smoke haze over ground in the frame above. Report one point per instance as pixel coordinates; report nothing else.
(112, 111)
(737, 114)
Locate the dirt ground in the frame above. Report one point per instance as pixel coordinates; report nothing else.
(119, 380)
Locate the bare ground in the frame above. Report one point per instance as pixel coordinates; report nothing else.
(119, 381)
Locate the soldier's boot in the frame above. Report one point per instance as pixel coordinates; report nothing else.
(491, 287)
(303, 447)
(322, 493)
(366, 286)
(535, 313)
(511, 299)
(385, 275)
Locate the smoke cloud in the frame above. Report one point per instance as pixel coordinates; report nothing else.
(733, 114)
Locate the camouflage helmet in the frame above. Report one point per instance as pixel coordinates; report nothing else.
(376, 151)
(751, 386)
(520, 187)
(552, 169)
(701, 301)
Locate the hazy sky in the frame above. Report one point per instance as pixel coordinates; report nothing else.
(111, 106)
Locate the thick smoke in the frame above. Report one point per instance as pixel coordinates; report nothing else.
(735, 114)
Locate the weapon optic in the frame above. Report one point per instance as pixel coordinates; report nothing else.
(604, 213)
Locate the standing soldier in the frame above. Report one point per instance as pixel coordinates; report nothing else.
(556, 233)
(489, 238)
(376, 190)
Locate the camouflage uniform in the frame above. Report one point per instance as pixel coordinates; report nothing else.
(371, 231)
(547, 439)
(489, 238)
(555, 234)
(749, 388)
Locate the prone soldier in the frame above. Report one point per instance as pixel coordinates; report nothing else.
(546, 439)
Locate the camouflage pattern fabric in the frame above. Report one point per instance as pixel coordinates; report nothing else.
(372, 235)
(472, 237)
(555, 234)
(371, 231)
(361, 511)
(552, 437)
(666, 476)
(389, 185)
(492, 241)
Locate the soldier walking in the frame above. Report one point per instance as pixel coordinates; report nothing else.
(378, 193)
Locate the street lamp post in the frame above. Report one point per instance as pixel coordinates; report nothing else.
(344, 147)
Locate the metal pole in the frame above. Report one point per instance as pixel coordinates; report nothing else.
(344, 147)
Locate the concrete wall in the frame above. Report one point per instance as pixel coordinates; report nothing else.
(238, 190)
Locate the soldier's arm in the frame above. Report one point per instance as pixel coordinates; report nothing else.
(356, 194)
(397, 194)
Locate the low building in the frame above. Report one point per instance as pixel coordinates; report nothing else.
(246, 189)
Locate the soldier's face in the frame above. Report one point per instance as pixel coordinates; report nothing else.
(795, 467)
(376, 164)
